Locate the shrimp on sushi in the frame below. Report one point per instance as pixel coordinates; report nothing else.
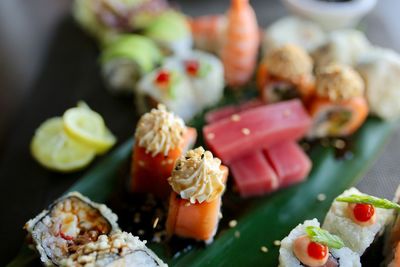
(285, 73)
(198, 182)
(241, 42)
(161, 138)
(339, 107)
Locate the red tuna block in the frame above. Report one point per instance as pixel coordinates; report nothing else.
(253, 175)
(227, 111)
(257, 128)
(289, 161)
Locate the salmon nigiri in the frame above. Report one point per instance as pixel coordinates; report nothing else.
(161, 138)
(241, 42)
(198, 182)
(339, 108)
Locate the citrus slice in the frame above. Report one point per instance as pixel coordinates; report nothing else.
(87, 127)
(53, 149)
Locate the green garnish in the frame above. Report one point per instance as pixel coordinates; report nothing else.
(323, 237)
(204, 69)
(175, 79)
(374, 201)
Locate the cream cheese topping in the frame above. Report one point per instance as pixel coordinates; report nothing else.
(159, 131)
(197, 176)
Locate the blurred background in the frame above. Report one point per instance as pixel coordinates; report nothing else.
(39, 45)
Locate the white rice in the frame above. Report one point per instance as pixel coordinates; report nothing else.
(347, 258)
(358, 238)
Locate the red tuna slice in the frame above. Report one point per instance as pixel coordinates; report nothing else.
(257, 128)
(289, 161)
(253, 175)
(227, 111)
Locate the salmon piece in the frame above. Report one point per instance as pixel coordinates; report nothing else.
(327, 121)
(149, 174)
(198, 221)
(241, 42)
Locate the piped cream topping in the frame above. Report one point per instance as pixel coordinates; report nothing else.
(197, 176)
(289, 62)
(339, 82)
(159, 131)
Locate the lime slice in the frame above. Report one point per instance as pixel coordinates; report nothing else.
(87, 127)
(53, 149)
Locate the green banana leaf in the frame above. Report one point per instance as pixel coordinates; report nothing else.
(269, 218)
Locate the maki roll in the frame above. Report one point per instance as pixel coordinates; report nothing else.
(392, 237)
(74, 231)
(205, 73)
(72, 220)
(126, 59)
(198, 182)
(161, 138)
(285, 73)
(171, 31)
(309, 245)
(339, 107)
(358, 219)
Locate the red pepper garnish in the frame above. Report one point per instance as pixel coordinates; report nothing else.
(66, 237)
(192, 67)
(162, 78)
(363, 212)
(317, 251)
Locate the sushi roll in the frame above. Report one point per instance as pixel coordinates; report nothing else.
(105, 19)
(339, 107)
(358, 219)
(119, 249)
(392, 237)
(309, 245)
(205, 73)
(126, 59)
(161, 138)
(198, 182)
(170, 86)
(171, 31)
(71, 221)
(286, 73)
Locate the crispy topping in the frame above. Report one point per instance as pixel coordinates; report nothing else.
(197, 176)
(339, 82)
(289, 62)
(159, 131)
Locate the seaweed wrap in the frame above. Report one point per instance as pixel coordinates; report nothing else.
(126, 59)
(358, 219)
(310, 246)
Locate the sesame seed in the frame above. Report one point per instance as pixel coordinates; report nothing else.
(140, 232)
(237, 234)
(232, 223)
(156, 222)
(264, 249)
(245, 131)
(235, 117)
(210, 136)
(321, 197)
(340, 144)
(277, 243)
(136, 218)
(187, 204)
(170, 161)
(141, 163)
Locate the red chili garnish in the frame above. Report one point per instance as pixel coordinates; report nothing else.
(317, 251)
(162, 77)
(363, 212)
(66, 237)
(192, 67)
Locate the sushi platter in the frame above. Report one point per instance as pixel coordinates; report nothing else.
(239, 158)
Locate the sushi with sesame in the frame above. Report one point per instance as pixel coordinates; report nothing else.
(309, 245)
(198, 182)
(161, 138)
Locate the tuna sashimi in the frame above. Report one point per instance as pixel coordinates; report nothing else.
(227, 111)
(253, 175)
(289, 161)
(254, 129)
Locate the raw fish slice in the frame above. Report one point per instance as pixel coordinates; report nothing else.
(225, 112)
(289, 161)
(253, 175)
(257, 128)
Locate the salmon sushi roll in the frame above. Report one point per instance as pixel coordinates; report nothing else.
(285, 73)
(339, 107)
(198, 182)
(160, 139)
